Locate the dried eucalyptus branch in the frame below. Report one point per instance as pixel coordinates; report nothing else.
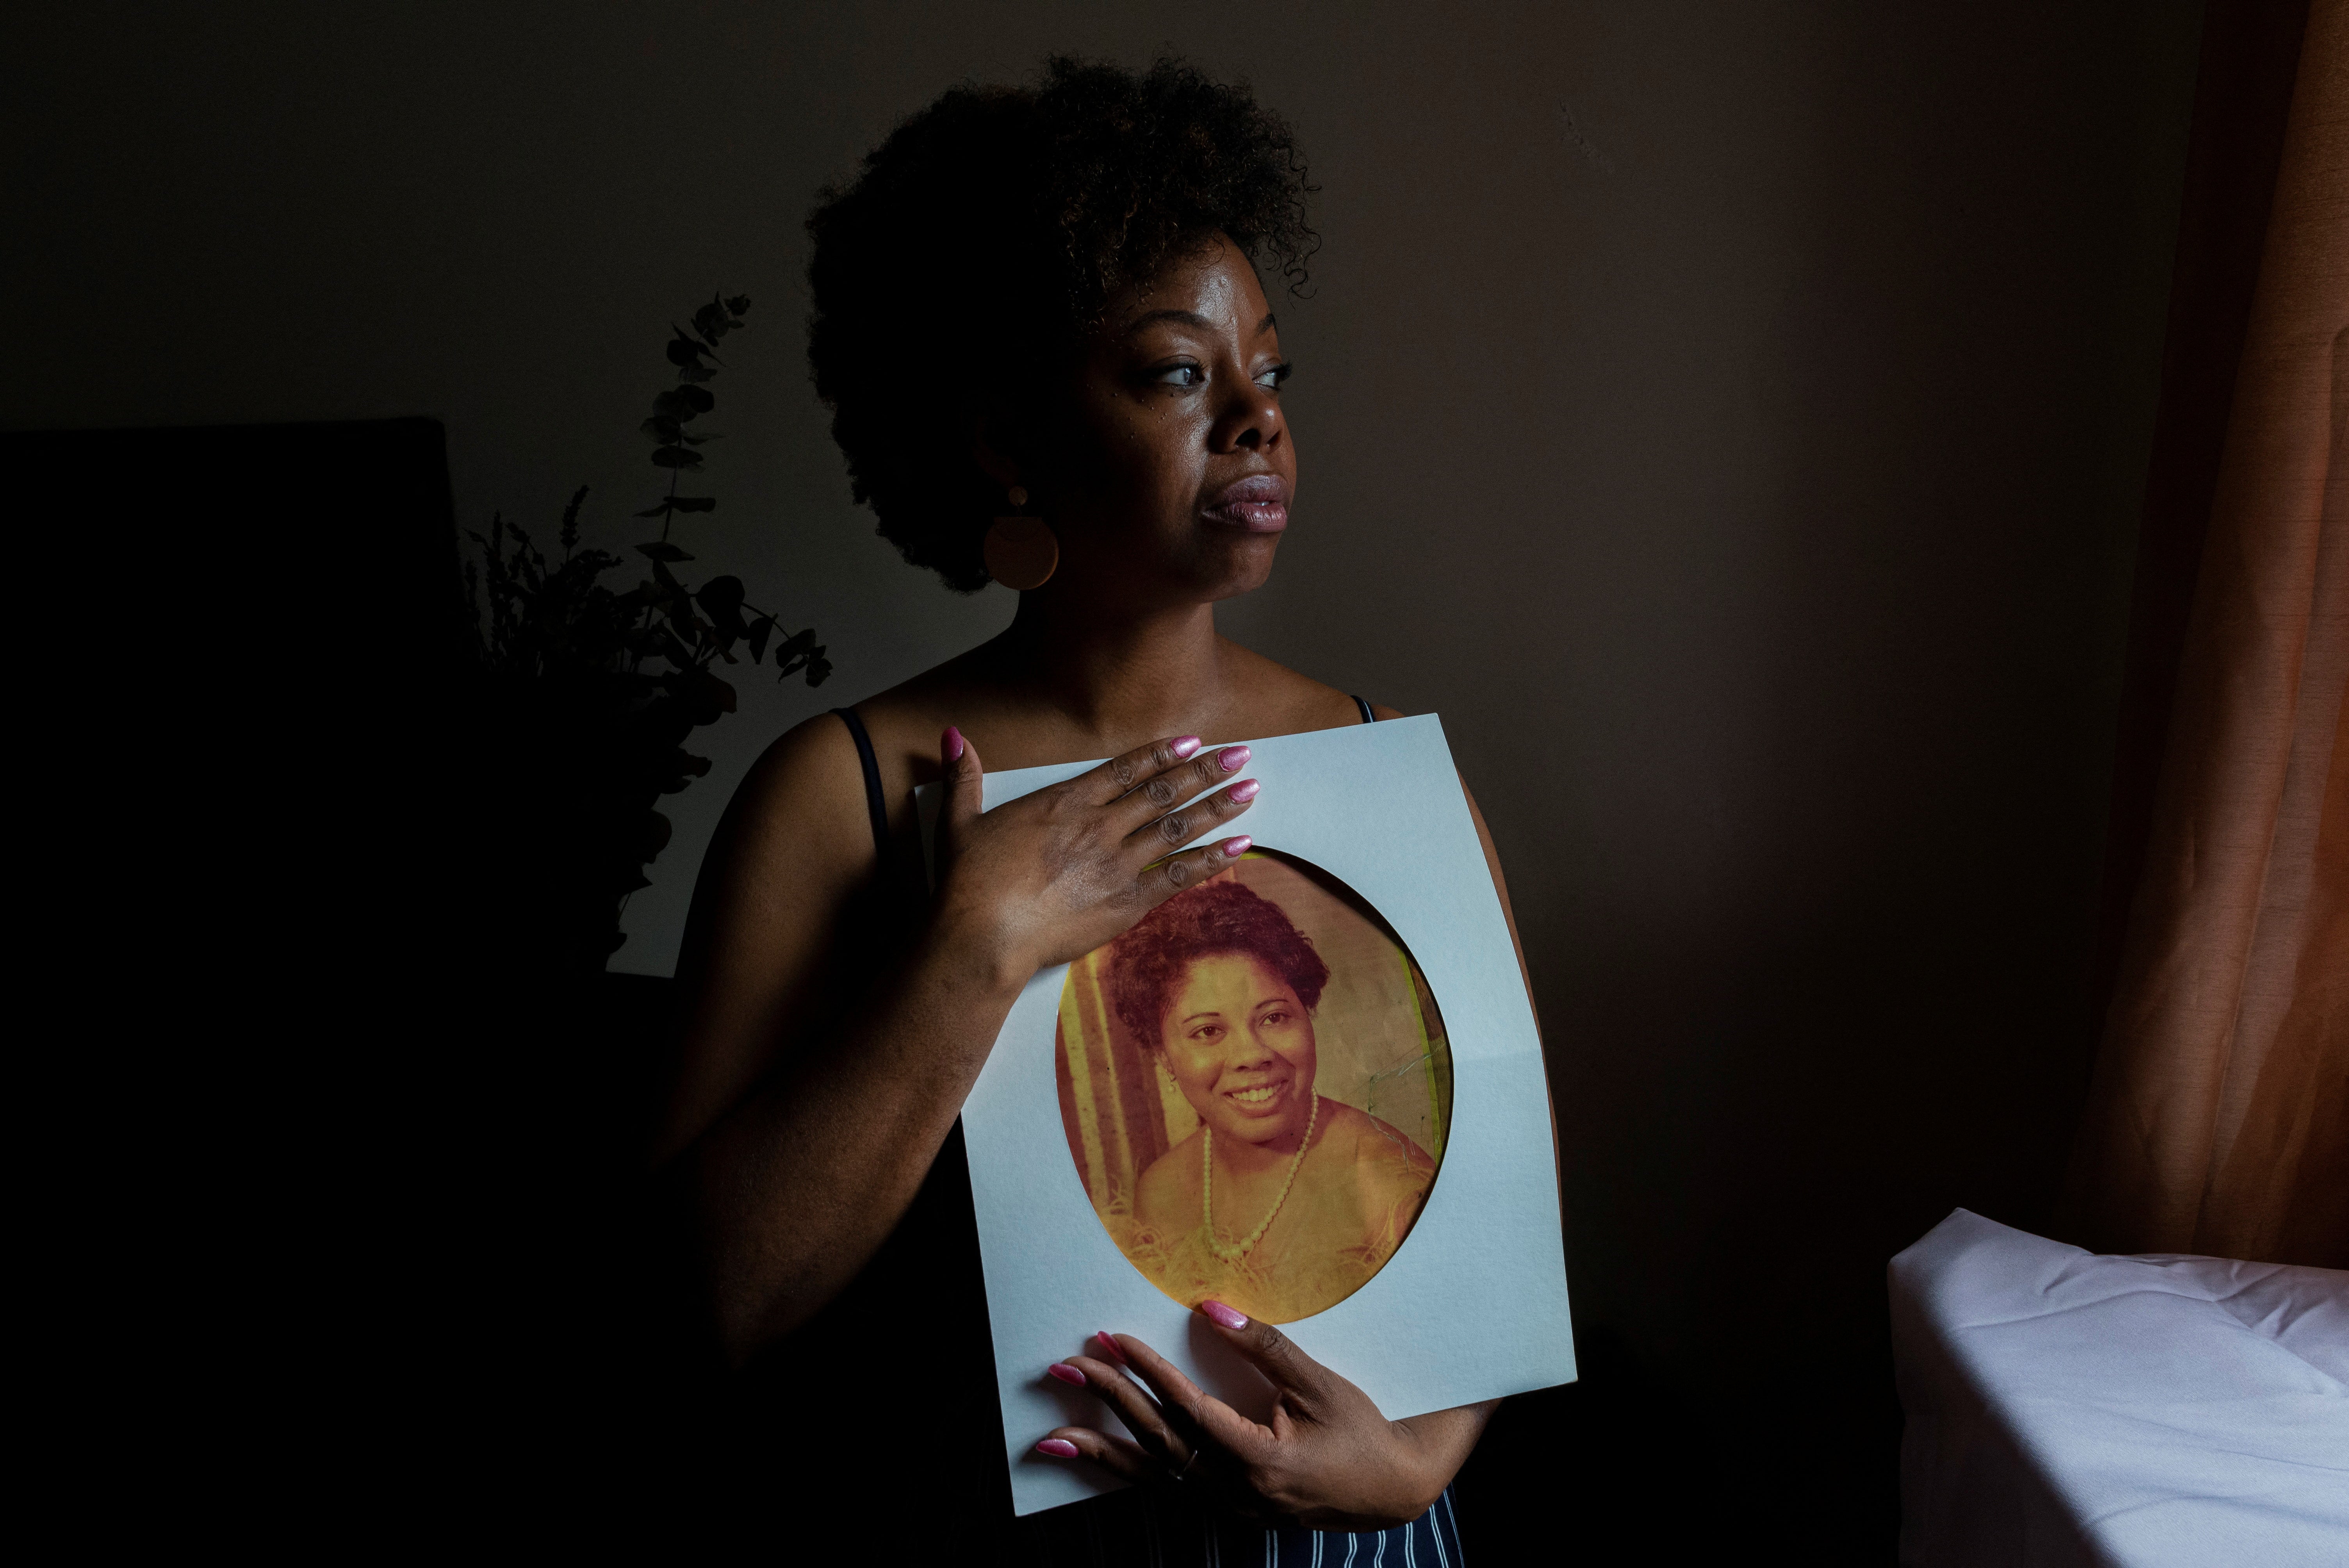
(602, 686)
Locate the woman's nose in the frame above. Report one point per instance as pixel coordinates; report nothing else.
(1250, 422)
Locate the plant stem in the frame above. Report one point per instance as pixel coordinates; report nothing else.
(670, 515)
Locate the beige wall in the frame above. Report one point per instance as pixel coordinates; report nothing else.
(1730, 418)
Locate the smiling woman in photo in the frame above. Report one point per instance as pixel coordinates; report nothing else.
(1285, 1200)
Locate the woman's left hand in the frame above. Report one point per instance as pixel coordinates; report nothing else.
(1327, 1459)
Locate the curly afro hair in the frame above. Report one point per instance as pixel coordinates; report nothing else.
(1147, 963)
(980, 242)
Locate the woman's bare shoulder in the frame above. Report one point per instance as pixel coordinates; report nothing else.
(808, 778)
(905, 722)
(797, 827)
(1169, 1185)
(1375, 1145)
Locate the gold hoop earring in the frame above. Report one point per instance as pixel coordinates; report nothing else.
(1022, 552)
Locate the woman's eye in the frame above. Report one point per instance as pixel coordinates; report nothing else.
(1181, 376)
(1270, 380)
(1275, 1017)
(1209, 1032)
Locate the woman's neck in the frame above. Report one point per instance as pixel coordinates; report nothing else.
(1237, 1157)
(1112, 671)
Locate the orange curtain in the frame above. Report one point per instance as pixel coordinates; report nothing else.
(2218, 1119)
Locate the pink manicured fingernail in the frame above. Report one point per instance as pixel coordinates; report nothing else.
(1232, 849)
(1245, 790)
(1233, 757)
(1222, 1314)
(950, 744)
(1066, 1373)
(1184, 746)
(1058, 1447)
(1109, 1346)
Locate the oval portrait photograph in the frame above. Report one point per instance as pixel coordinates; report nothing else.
(1256, 1087)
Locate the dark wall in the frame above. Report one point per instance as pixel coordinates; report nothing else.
(1730, 418)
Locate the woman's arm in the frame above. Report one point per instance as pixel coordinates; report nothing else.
(801, 1145)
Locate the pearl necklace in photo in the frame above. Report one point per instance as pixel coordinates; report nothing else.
(1233, 1251)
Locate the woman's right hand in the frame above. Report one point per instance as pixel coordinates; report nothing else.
(1050, 876)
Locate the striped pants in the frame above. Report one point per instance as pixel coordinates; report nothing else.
(1132, 1530)
(1431, 1540)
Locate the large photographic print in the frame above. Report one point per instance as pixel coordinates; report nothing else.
(1256, 1087)
(1309, 1088)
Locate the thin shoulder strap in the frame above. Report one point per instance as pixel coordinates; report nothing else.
(875, 805)
(1368, 717)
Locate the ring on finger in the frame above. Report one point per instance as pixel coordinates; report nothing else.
(1187, 1464)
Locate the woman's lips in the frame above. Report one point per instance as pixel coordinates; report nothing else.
(1259, 1098)
(1259, 504)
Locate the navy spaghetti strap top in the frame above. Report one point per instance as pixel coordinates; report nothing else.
(1135, 1525)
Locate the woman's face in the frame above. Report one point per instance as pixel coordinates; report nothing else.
(1171, 473)
(1240, 1045)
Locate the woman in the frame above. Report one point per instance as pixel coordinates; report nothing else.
(1284, 1202)
(1039, 304)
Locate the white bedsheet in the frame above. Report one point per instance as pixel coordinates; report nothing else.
(2066, 1407)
